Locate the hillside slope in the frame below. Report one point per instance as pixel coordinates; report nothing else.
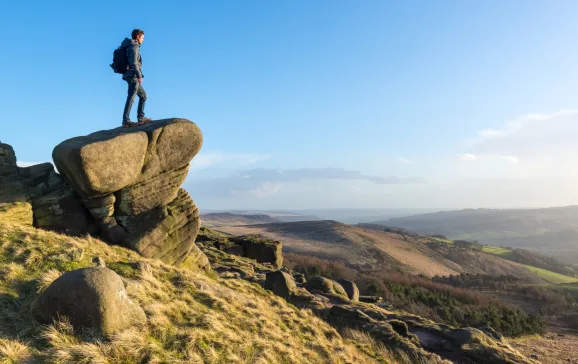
(551, 230)
(216, 219)
(372, 249)
(192, 316)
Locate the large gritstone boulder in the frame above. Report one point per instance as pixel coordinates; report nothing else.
(92, 298)
(129, 180)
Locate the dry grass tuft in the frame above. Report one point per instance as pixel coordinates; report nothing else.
(12, 351)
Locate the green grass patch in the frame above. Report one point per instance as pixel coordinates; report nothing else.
(551, 277)
(496, 250)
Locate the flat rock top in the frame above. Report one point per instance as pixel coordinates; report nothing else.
(109, 160)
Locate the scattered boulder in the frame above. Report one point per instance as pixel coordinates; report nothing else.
(281, 283)
(261, 249)
(326, 286)
(350, 288)
(92, 298)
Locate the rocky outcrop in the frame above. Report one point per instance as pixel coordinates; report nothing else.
(129, 180)
(411, 337)
(93, 298)
(121, 184)
(261, 249)
(38, 196)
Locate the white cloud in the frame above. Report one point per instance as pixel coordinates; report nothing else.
(467, 157)
(404, 160)
(266, 189)
(205, 160)
(524, 123)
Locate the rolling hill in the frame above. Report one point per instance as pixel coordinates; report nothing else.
(226, 218)
(550, 230)
(369, 249)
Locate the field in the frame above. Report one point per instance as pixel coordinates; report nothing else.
(497, 250)
(550, 277)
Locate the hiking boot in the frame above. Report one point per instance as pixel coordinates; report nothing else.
(144, 120)
(128, 124)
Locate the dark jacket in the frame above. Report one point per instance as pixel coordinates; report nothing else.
(134, 59)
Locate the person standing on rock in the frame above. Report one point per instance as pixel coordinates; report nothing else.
(133, 76)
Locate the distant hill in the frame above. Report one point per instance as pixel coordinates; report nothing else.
(226, 218)
(369, 249)
(550, 230)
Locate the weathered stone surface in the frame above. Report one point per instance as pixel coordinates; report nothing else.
(38, 196)
(61, 210)
(350, 288)
(101, 207)
(325, 285)
(260, 249)
(151, 193)
(281, 283)
(110, 160)
(90, 298)
(167, 233)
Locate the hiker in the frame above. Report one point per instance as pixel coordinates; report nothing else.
(133, 76)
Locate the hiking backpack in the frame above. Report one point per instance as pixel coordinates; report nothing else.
(119, 60)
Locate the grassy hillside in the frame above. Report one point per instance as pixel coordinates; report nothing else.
(549, 276)
(364, 249)
(551, 230)
(192, 317)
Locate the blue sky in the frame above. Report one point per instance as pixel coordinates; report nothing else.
(317, 104)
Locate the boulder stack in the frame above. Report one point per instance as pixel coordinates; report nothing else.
(129, 179)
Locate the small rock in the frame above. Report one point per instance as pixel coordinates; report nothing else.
(99, 262)
(144, 267)
(76, 255)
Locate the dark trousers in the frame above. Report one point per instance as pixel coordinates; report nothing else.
(134, 88)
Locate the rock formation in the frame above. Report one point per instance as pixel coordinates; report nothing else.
(123, 184)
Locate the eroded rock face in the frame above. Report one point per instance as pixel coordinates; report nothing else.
(38, 196)
(90, 298)
(261, 249)
(129, 179)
